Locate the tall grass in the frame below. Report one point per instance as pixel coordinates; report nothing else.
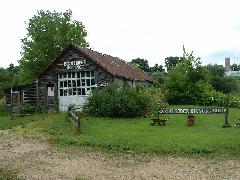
(3, 106)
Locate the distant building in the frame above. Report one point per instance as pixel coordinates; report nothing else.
(228, 71)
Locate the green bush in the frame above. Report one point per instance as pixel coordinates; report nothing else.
(214, 98)
(3, 106)
(27, 109)
(116, 101)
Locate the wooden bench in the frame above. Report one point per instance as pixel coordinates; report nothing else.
(158, 121)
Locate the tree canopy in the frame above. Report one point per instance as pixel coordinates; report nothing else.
(235, 67)
(47, 34)
(219, 81)
(172, 61)
(187, 81)
(8, 77)
(141, 63)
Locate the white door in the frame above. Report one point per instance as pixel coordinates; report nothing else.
(74, 87)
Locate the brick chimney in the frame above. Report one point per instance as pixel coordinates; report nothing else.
(227, 64)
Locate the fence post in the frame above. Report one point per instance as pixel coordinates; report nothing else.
(226, 123)
(78, 124)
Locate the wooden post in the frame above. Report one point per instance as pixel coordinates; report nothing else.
(226, 123)
(78, 124)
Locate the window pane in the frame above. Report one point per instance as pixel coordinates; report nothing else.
(61, 83)
(74, 91)
(78, 83)
(61, 92)
(92, 82)
(83, 74)
(83, 91)
(65, 92)
(88, 73)
(88, 82)
(69, 83)
(78, 75)
(83, 82)
(73, 83)
(79, 91)
(64, 75)
(69, 92)
(65, 83)
(92, 73)
(73, 75)
(69, 75)
(60, 76)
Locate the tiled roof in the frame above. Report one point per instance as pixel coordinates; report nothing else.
(115, 66)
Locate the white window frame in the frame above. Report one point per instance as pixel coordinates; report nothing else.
(76, 83)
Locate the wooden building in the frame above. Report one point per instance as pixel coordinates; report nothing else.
(71, 77)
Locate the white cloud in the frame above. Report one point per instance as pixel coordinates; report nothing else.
(151, 29)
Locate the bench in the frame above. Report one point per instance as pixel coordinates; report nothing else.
(158, 121)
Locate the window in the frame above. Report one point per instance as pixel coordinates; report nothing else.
(76, 83)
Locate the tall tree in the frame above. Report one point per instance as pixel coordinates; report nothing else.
(47, 34)
(219, 81)
(158, 73)
(141, 63)
(171, 62)
(187, 81)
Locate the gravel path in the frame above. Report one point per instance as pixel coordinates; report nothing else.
(34, 159)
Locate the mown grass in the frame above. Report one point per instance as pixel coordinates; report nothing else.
(136, 134)
(7, 175)
(7, 123)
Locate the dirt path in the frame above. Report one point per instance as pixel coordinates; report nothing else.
(33, 159)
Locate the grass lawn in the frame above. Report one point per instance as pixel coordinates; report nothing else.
(136, 134)
(7, 175)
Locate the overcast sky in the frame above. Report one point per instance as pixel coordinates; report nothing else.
(150, 29)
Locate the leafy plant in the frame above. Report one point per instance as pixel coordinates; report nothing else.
(116, 101)
(3, 106)
(27, 109)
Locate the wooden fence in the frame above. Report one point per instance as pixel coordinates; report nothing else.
(71, 116)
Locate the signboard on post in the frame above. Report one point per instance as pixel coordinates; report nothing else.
(193, 111)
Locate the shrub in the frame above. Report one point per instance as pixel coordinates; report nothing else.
(116, 101)
(155, 98)
(27, 109)
(214, 98)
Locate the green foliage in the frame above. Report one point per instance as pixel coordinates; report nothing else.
(141, 63)
(224, 84)
(4, 80)
(7, 175)
(235, 67)
(155, 97)
(171, 62)
(157, 73)
(27, 109)
(187, 82)
(214, 98)
(7, 123)
(116, 101)
(219, 81)
(47, 34)
(3, 106)
(8, 77)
